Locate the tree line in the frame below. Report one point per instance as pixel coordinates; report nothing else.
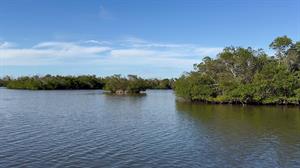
(246, 76)
(131, 83)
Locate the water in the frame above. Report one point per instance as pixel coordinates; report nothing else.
(91, 129)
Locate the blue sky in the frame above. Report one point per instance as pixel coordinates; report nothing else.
(148, 38)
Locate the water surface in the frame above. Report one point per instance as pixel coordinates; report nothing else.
(91, 129)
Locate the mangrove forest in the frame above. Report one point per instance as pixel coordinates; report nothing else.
(246, 76)
(116, 83)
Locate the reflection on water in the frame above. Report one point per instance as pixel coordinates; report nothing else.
(87, 128)
(265, 135)
(126, 95)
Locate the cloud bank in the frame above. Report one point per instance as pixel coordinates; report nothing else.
(123, 53)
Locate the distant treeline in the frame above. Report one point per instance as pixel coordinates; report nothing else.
(112, 83)
(246, 76)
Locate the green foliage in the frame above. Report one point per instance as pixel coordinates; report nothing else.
(195, 86)
(281, 42)
(131, 84)
(246, 76)
(160, 84)
(4, 81)
(281, 45)
(49, 82)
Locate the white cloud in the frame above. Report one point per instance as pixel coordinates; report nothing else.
(5, 44)
(137, 42)
(132, 51)
(52, 49)
(49, 53)
(134, 40)
(96, 42)
(208, 51)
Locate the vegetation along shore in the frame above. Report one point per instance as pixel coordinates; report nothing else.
(114, 84)
(246, 76)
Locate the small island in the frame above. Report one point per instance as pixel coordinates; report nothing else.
(119, 85)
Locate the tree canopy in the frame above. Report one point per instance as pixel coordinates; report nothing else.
(245, 75)
(113, 83)
(49, 82)
(131, 84)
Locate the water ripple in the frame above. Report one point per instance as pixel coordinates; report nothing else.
(91, 129)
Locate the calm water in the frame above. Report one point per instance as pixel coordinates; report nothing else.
(91, 129)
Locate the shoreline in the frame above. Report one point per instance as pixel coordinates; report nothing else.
(182, 100)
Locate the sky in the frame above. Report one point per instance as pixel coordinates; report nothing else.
(149, 38)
